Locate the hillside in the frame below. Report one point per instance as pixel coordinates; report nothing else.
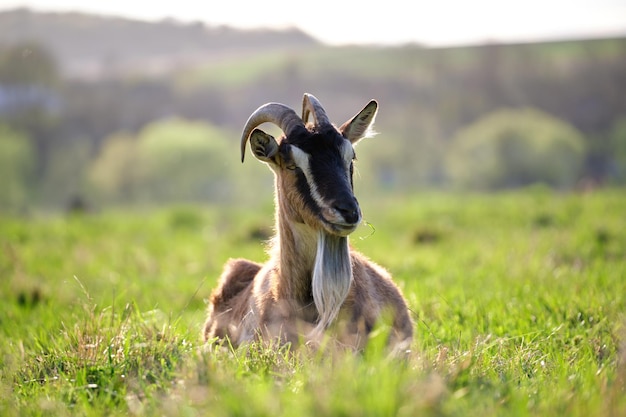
(89, 45)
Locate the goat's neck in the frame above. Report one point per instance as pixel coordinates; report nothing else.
(294, 251)
(313, 266)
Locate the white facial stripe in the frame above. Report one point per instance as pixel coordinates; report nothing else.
(301, 159)
(347, 151)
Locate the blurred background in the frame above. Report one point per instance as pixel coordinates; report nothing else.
(112, 104)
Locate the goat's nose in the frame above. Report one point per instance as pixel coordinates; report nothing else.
(349, 210)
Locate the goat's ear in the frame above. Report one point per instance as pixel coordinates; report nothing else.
(360, 125)
(264, 146)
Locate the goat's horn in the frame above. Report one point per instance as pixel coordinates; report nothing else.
(279, 114)
(311, 105)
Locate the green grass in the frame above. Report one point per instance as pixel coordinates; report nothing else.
(519, 302)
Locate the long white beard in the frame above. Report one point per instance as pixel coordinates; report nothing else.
(332, 277)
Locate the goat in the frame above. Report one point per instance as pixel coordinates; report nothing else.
(313, 281)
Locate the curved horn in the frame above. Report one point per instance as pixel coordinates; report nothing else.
(311, 105)
(279, 114)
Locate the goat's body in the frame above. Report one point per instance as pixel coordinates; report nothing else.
(313, 283)
(246, 306)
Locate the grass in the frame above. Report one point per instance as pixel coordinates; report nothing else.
(518, 301)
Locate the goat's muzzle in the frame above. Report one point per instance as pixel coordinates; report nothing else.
(343, 216)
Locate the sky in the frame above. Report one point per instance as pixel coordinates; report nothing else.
(382, 22)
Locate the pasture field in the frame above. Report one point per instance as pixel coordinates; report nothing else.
(519, 302)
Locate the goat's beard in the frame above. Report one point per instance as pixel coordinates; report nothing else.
(332, 277)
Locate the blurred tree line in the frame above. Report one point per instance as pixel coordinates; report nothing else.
(488, 117)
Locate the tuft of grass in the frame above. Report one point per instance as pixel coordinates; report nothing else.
(100, 360)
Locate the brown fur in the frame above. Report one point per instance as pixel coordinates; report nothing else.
(249, 304)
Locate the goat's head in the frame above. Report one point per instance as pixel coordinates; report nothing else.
(313, 162)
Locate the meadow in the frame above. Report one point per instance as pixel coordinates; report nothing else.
(518, 299)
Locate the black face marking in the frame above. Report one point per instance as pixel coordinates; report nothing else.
(328, 166)
(322, 162)
(305, 191)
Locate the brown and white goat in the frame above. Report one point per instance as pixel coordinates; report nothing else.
(313, 283)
